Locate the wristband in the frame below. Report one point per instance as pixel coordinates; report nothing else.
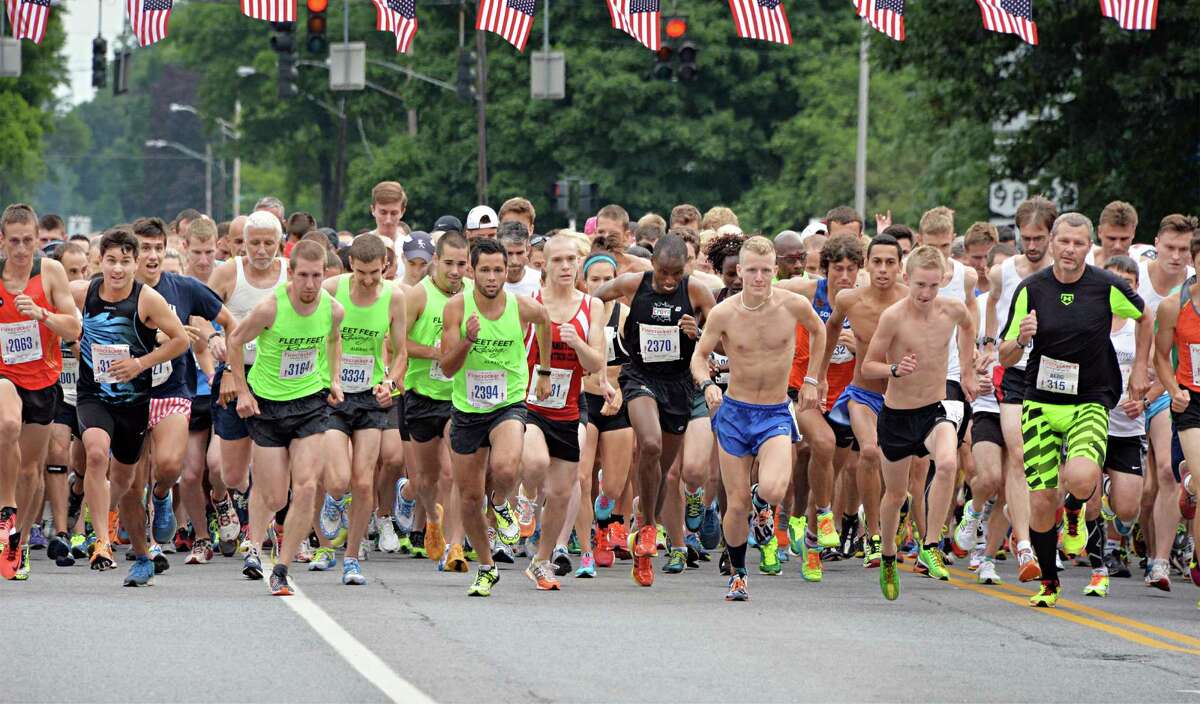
(810, 380)
(895, 367)
(543, 372)
(215, 334)
(705, 384)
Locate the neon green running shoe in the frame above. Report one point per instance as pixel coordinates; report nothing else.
(810, 566)
(22, 572)
(660, 538)
(768, 562)
(484, 581)
(1098, 586)
(405, 545)
(889, 580)
(795, 528)
(827, 535)
(1074, 536)
(932, 560)
(872, 552)
(1047, 595)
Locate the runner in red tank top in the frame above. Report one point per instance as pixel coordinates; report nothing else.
(552, 429)
(31, 325)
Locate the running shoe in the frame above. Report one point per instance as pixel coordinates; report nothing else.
(454, 561)
(416, 544)
(322, 560)
(526, 515)
(1074, 537)
(889, 579)
(305, 553)
(141, 574)
(201, 553)
(986, 574)
(102, 557)
(976, 557)
(573, 546)
(618, 539)
(810, 567)
(1194, 572)
(351, 572)
(164, 519)
(660, 537)
(677, 562)
(159, 559)
(644, 542)
(603, 507)
(737, 589)
(693, 509)
(603, 551)
(79, 546)
(37, 539)
(710, 527)
(403, 508)
(1047, 595)
(543, 574)
(22, 572)
(967, 530)
(252, 563)
(74, 505)
(643, 571)
(1098, 585)
(389, 542)
(796, 527)
(768, 557)
(587, 566)
(507, 528)
(330, 518)
(762, 525)
(931, 559)
(1116, 566)
(561, 560)
(485, 579)
(873, 555)
(1159, 576)
(184, 541)
(279, 583)
(229, 526)
(500, 551)
(696, 551)
(59, 550)
(1187, 500)
(827, 536)
(1028, 569)
(723, 564)
(435, 539)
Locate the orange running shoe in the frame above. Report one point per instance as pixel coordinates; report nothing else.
(647, 542)
(102, 557)
(1028, 569)
(435, 541)
(781, 536)
(603, 552)
(643, 570)
(618, 538)
(114, 520)
(542, 574)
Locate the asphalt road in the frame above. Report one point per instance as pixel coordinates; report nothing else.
(204, 633)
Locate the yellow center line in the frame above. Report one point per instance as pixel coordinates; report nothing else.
(1117, 631)
(1099, 613)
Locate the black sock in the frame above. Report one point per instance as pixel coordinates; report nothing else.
(1073, 504)
(1095, 543)
(605, 523)
(930, 546)
(617, 518)
(889, 558)
(737, 558)
(1045, 546)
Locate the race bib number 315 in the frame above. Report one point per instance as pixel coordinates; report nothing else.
(1058, 377)
(103, 357)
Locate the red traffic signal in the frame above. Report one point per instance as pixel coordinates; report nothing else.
(316, 5)
(676, 27)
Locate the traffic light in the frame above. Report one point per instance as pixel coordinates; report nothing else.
(687, 62)
(284, 44)
(317, 43)
(121, 63)
(589, 195)
(676, 55)
(99, 62)
(560, 192)
(465, 85)
(662, 70)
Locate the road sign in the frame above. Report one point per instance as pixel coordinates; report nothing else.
(1006, 194)
(547, 75)
(10, 57)
(348, 66)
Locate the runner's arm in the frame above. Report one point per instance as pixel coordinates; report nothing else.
(155, 310)
(875, 364)
(807, 316)
(1010, 351)
(454, 345)
(592, 352)
(1164, 342)
(333, 351)
(261, 316)
(833, 329)
(708, 343)
(414, 305)
(534, 313)
(991, 321)
(398, 364)
(66, 322)
(623, 285)
(967, 321)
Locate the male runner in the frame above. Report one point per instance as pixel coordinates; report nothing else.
(374, 314)
(1073, 380)
(285, 399)
(36, 312)
(754, 422)
(1034, 219)
(789, 255)
(666, 310)
(1115, 229)
(388, 203)
(860, 404)
(613, 236)
(117, 350)
(910, 348)
(482, 352)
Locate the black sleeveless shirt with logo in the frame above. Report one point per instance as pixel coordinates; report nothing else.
(656, 344)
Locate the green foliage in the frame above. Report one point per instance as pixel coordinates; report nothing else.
(25, 103)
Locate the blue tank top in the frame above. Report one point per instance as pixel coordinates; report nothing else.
(112, 331)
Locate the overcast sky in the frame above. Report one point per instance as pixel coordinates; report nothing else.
(81, 19)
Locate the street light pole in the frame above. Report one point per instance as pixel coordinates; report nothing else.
(206, 157)
(860, 156)
(208, 160)
(237, 162)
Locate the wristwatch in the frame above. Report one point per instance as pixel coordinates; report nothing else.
(705, 384)
(895, 368)
(1024, 346)
(987, 340)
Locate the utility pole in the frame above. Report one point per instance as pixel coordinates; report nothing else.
(481, 185)
(237, 160)
(860, 156)
(208, 191)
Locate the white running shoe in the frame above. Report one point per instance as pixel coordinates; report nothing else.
(987, 573)
(388, 540)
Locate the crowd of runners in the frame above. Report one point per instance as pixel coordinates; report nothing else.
(656, 394)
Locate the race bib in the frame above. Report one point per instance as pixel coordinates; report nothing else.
(954, 412)
(297, 363)
(560, 385)
(1058, 377)
(103, 357)
(610, 335)
(160, 373)
(841, 355)
(722, 377)
(69, 374)
(356, 372)
(1194, 350)
(660, 343)
(435, 369)
(20, 342)
(487, 388)
(250, 351)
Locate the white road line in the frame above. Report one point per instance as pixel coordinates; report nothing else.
(368, 664)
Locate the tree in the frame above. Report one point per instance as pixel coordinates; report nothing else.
(25, 103)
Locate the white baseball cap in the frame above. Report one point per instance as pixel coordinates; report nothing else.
(482, 216)
(814, 228)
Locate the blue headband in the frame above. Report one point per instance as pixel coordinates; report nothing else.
(599, 258)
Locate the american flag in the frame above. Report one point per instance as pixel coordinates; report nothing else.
(761, 19)
(399, 16)
(149, 19)
(511, 19)
(29, 18)
(887, 16)
(270, 10)
(1131, 14)
(643, 27)
(1010, 17)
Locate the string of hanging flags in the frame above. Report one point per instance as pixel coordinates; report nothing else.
(764, 20)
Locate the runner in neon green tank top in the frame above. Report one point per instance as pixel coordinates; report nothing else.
(426, 407)
(484, 354)
(374, 313)
(299, 347)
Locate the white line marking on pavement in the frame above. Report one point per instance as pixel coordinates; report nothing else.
(368, 664)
